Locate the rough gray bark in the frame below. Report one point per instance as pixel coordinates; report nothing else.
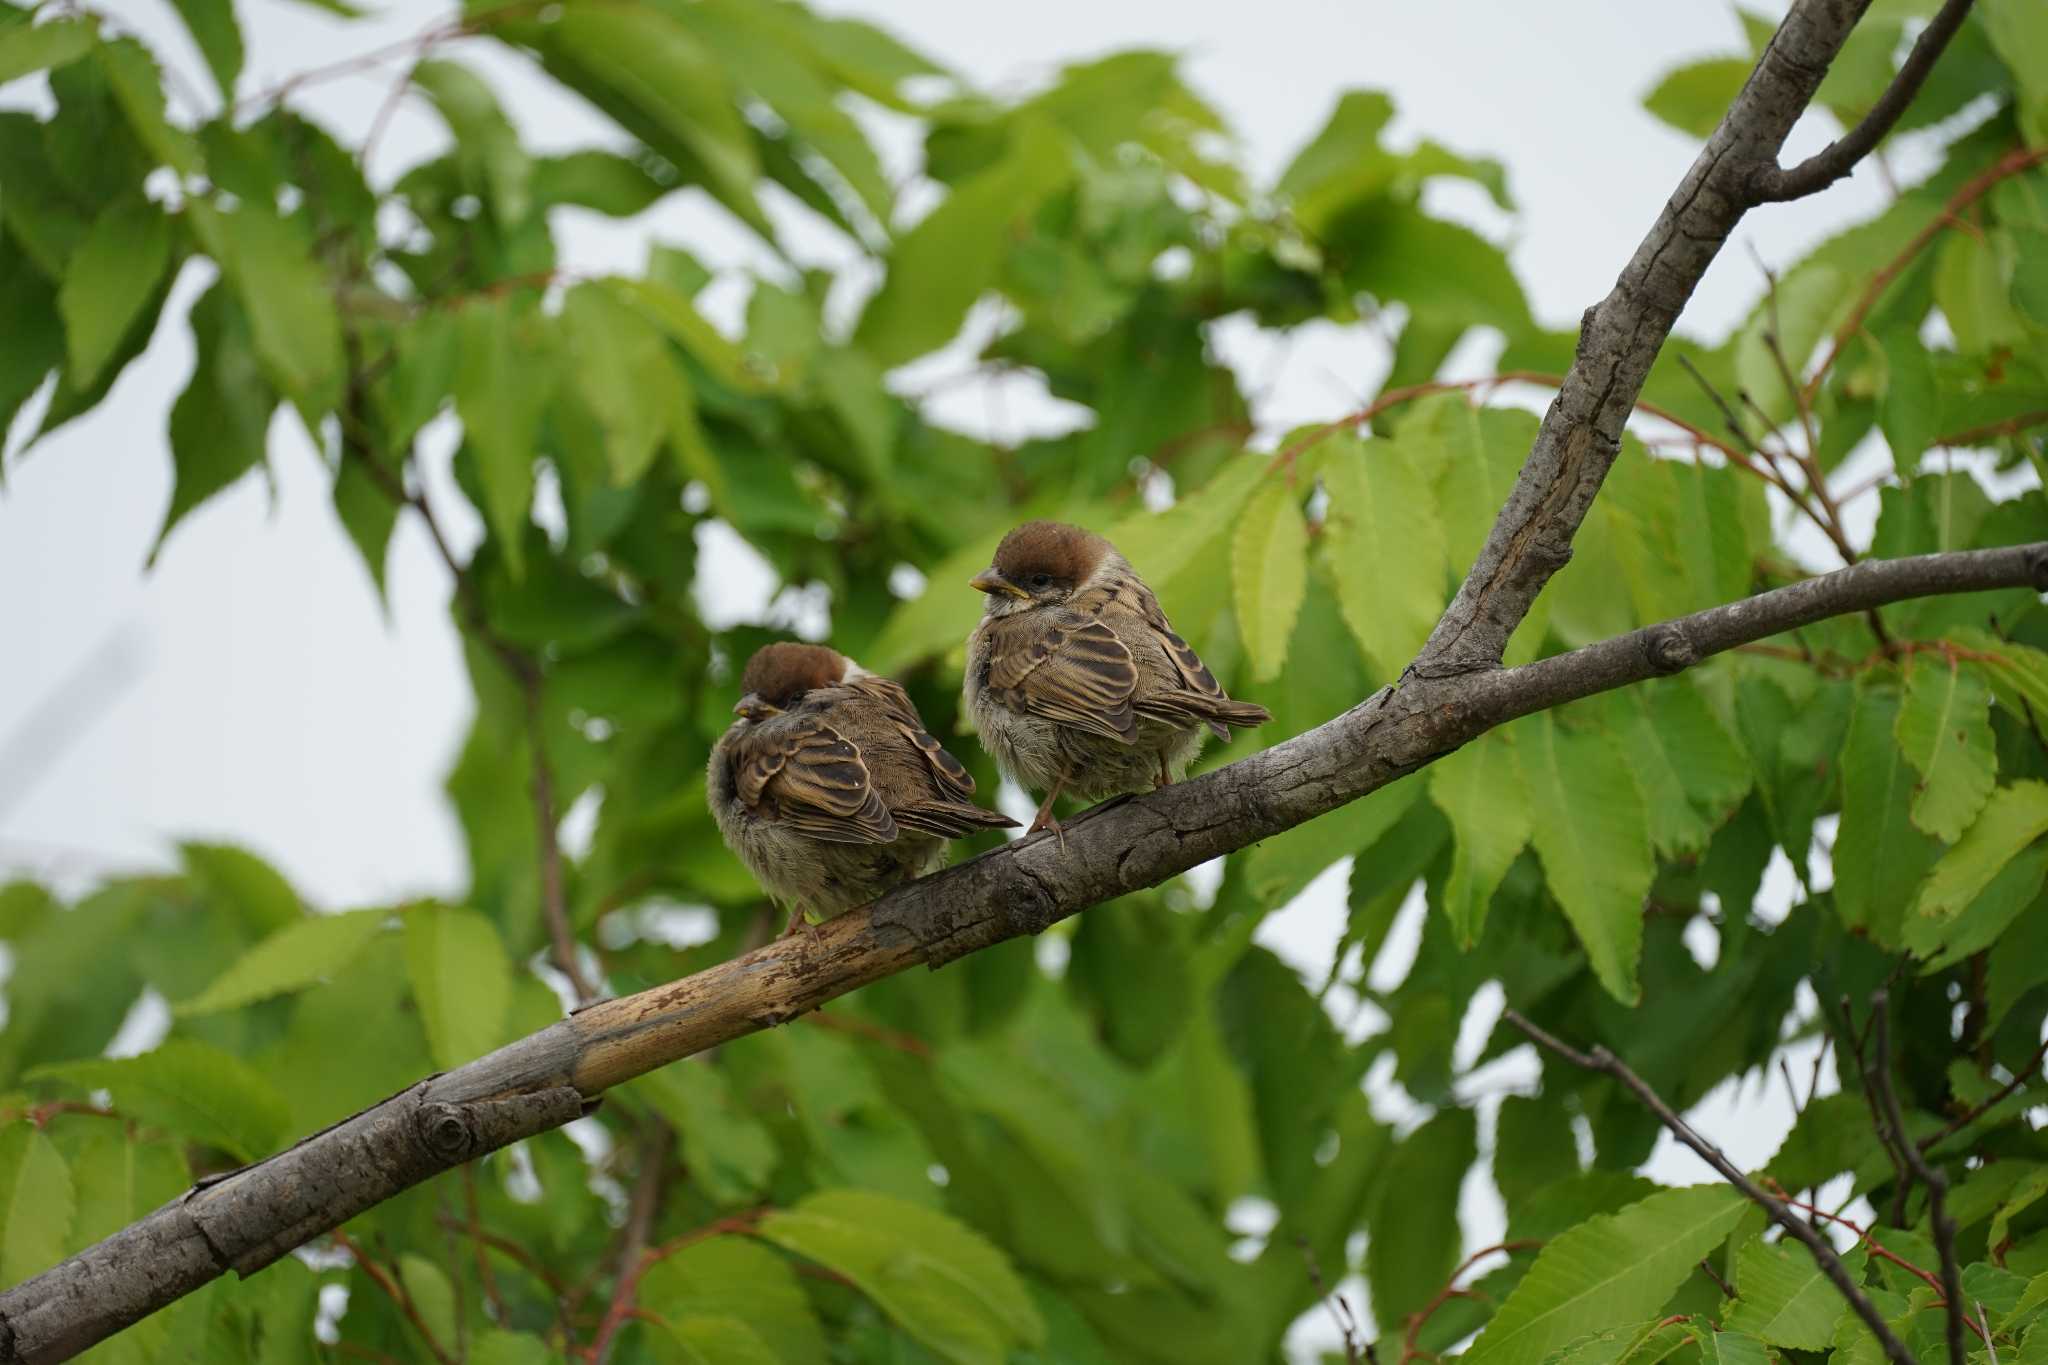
(1453, 692)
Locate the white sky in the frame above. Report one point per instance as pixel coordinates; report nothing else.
(252, 689)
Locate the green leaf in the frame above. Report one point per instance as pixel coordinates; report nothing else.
(502, 386)
(2018, 30)
(1163, 544)
(2012, 820)
(1385, 547)
(937, 1279)
(1412, 1238)
(138, 89)
(730, 1275)
(1278, 868)
(1693, 98)
(1784, 1298)
(487, 145)
(1691, 771)
(1970, 289)
(296, 956)
(2025, 1195)
(38, 47)
(119, 1180)
(433, 1294)
(1798, 315)
(271, 264)
(2030, 273)
(1944, 729)
(1620, 1267)
(461, 979)
(29, 321)
(366, 512)
(110, 278)
(1878, 852)
(1910, 411)
(623, 372)
(253, 888)
(1590, 830)
(499, 1347)
(940, 267)
(36, 1203)
(218, 37)
(1269, 569)
(715, 1339)
(729, 1153)
(190, 1088)
(605, 182)
(1480, 789)
(221, 422)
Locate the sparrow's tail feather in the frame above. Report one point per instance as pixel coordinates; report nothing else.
(1214, 711)
(950, 820)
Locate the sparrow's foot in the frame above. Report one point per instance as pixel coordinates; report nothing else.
(796, 922)
(1165, 775)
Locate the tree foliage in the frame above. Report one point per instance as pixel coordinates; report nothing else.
(1035, 1157)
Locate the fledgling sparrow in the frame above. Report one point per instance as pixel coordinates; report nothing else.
(829, 788)
(1075, 681)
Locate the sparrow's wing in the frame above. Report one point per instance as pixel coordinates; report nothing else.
(799, 770)
(950, 780)
(1069, 669)
(1202, 697)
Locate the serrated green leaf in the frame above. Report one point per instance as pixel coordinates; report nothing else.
(119, 1179)
(1910, 410)
(1783, 1297)
(1590, 830)
(1691, 771)
(461, 980)
(1269, 572)
(36, 1202)
(218, 38)
(502, 385)
(294, 957)
(38, 47)
(1693, 98)
(270, 263)
(730, 1275)
(622, 372)
(715, 1339)
(1385, 547)
(1729, 1348)
(112, 275)
(1620, 1267)
(1944, 729)
(190, 1088)
(1412, 1238)
(220, 424)
(940, 267)
(1162, 544)
(1480, 789)
(487, 145)
(1619, 1345)
(1878, 852)
(937, 1279)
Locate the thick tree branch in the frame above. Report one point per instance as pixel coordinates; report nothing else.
(1453, 692)
(1600, 1059)
(1774, 184)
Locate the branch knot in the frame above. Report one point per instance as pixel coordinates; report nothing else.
(1669, 649)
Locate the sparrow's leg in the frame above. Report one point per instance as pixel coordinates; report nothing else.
(1045, 820)
(796, 920)
(1165, 775)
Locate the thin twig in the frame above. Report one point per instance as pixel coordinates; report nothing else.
(1943, 1225)
(394, 1291)
(1601, 1060)
(1868, 1236)
(1978, 1111)
(1340, 1310)
(648, 1187)
(487, 1278)
(1720, 1282)
(1797, 498)
(860, 1028)
(1774, 184)
(1420, 1318)
(2011, 426)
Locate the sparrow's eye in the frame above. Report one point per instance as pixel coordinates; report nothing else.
(1041, 580)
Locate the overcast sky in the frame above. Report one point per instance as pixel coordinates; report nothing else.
(251, 688)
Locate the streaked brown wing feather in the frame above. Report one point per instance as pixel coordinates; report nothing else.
(1076, 672)
(1194, 674)
(952, 780)
(805, 773)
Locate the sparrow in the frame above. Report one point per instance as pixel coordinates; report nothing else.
(828, 786)
(1075, 680)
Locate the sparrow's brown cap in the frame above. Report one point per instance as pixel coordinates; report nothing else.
(1061, 553)
(780, 674)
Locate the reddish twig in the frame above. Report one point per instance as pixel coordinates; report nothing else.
(1940, 1221)
(2011, 426)
(1420, 1318)
(1976, 1112)
(393, 1290)
(648, 1187)
(861, 1028)
(622, 1307)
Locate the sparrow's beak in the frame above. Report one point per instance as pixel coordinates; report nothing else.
(991, 582)
(751, 707)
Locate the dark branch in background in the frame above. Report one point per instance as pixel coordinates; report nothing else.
(1977, 1111)
(1356, 1348)
(358, 444)
(1773, 184)
(1601, 1060)
(1879, 1078)
(1454, 691)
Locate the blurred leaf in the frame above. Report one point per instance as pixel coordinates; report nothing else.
(726, 1149)
(943, 1283)
(218, 38)
(1588, 827)
(190, 1088)
(1278, 868)
(37, 47)
(1878, 852)
(33, 328)
(1617, 1268)
(623, 373)
(940, 267)
(119, 1180)
(1269, 567)
(1784, 1298)
(1944, 729)
(221, 422)
(2012, 819)
(498, 1347)
(432, 1294)
(270, 263)
(111, 278)
(1691, 771)
(461, 980)
(293, 957)
(1693, 98)
(590, 178)
(1910, 409)
(502, 385)
(730, 1275)
(257, 891)
(1386, 547)
(708, 1339)
(1480, 788)
(1412, 1239)
(36, 1202)
(487, 144)
(138, 89)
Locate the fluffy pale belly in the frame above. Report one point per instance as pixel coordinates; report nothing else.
(1037, 753)
(828, 878)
